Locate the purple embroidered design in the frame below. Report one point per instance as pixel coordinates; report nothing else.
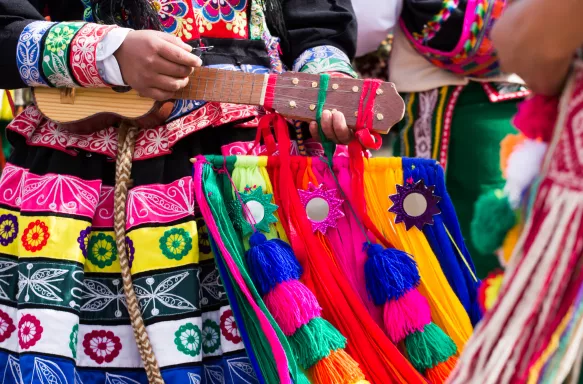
(83, 240)
(131, 250)
(322, 207)
(8, 229)
(414, 204)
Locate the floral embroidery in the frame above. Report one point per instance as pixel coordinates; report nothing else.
(55, 64)
(101, 346)
(239, 24)
(35, 236)
(203, 24)
(210, 336)
(73, 340)
(131, 250)
(215, 10)
(174, 16)
(176, 243)
(8, 229)
(29, 331)
(188, 339)
(83, 57)
(204, 243)
(59, 37)
(229, 327)
(29, 52)
(324, 58)
(6, 326)
(83, 240)
(102, 250)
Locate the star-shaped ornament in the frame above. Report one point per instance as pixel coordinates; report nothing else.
(415, 204)
(258, 211)
(322, 207)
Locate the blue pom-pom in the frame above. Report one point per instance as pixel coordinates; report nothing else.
(270, 262)
(389, 273)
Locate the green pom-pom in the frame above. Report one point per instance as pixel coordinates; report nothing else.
(493, 218)
(314, 341)
(428, 348)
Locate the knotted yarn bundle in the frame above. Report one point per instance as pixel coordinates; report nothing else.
(317, 345)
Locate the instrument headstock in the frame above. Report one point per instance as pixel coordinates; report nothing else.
(295, 95)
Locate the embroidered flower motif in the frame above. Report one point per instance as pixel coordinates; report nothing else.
(83, 240)
(73, 340)
(229, 327)
(101, 346)
(8, 229)
(210, 336)
(215, 10)
(172, 15)
(6, 326)
(131, 250)
(35, 236)
(239, 24)
(188, 339)
(58, 38)
(29, 331)
(204, 243)
(176, 243)
(101, 250)
(203, 24)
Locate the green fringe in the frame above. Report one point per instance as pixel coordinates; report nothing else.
(302, 378)
(428, 348)
(314, 341)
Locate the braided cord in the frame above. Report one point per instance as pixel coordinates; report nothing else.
(123, 169)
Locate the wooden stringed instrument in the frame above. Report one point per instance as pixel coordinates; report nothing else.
(292, 94)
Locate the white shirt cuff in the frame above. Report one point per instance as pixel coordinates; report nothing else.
(106, 61)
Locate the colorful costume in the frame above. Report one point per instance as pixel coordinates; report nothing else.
(64, 317)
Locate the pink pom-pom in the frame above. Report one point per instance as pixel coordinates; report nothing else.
(536, 117)
(406, 315)
(292, 305)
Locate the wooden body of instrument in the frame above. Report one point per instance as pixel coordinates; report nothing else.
(292, 94)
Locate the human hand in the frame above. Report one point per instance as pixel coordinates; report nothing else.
(333, 123)
(334, 127)
(155, 64)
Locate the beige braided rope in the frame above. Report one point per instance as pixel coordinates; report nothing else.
(123, 168)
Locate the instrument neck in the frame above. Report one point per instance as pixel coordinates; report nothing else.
(219, 85)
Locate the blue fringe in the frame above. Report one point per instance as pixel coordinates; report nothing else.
(270, 262)
(455, 270)
(389, 273)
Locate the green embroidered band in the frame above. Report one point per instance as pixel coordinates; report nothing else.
(55, 63)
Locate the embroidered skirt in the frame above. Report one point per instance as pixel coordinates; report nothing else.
(63, 315)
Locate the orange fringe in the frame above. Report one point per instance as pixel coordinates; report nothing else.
(441, 371)
(507, 146)
(337, 368)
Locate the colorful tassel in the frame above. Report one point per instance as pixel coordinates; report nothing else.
(392, 279)
(293, 305)
(409, 314)
(317, 345)
(271, 262)
(390, 273)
